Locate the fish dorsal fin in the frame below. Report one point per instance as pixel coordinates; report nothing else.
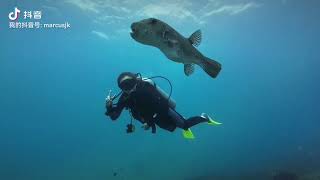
(188, 69)
(195, 38)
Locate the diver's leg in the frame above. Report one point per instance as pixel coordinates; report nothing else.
(181, 122)
(176, 118)
(194, 121)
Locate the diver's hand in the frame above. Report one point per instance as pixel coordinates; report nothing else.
(109, 103)
(145, 126)
(109, 100)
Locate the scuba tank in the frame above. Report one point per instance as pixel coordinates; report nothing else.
(163, 94)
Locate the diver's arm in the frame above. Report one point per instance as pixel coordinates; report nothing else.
(114, 111)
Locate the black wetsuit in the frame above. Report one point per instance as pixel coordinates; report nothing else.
(147, 105)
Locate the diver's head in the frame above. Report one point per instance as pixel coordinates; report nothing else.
(148, 31)
(127, 82)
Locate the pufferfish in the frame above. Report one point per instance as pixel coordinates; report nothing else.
(154, 32)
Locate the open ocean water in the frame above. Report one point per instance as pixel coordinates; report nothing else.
(53, 84)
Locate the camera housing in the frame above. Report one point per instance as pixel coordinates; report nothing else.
(130, 128)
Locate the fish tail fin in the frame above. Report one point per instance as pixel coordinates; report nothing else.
(210, 66)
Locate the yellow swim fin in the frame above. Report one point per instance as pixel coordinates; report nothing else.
(213, 123)
(188, 134)
(210, 120)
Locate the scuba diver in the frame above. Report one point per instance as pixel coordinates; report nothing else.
(150, 105)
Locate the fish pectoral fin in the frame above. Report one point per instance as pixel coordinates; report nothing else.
(188, 69)
(195, 38)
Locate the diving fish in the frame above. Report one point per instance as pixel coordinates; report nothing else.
(176, 47)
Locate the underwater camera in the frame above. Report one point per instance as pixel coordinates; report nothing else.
(130, 128)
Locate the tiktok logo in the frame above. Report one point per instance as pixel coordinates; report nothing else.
(14, 15)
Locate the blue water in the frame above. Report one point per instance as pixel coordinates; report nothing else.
(53, 84)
